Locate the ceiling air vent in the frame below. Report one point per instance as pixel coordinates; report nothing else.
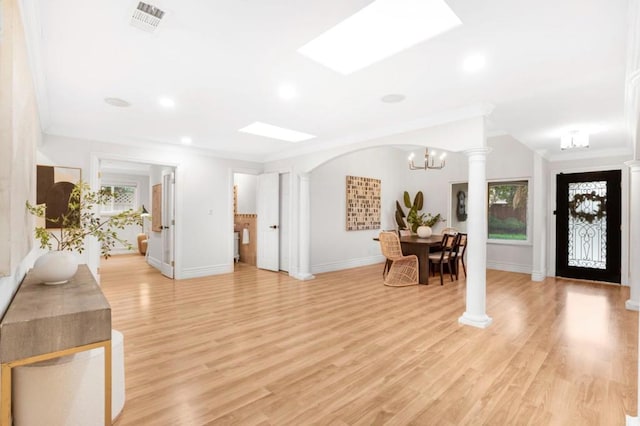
(146, 17)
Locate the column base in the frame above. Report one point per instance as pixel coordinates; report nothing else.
(537, 276)
(632, 305)
(480, 321)
(304, 277)
(632, 421)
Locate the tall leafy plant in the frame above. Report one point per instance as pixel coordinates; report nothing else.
(414, 218)
(82, 219)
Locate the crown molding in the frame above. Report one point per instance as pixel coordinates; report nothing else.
(154, 145)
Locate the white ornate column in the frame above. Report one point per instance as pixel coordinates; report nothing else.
(304, 271)
(634, 235)
(475, 313)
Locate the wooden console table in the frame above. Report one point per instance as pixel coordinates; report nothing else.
(45, 322)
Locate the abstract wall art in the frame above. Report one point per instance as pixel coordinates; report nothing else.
(363, 203)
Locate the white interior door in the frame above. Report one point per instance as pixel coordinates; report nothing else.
(168, 224)
(268, 207)
(284, 222)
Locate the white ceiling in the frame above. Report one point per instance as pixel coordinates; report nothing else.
(552, 66)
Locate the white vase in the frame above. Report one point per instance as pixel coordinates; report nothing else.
(424, 231)
(55, 267)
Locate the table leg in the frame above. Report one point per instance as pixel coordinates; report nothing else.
(5, 419)
(107, 383)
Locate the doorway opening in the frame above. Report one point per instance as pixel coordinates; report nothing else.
(261, 219)
(147, 187)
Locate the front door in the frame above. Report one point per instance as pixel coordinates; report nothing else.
(588, 219)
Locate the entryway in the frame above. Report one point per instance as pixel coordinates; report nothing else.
(588, 219)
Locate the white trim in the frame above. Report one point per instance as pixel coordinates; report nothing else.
(347, 264)
(483, 321)
(156, 263)
(538, 276)
(509, 267)
(203, 271)
(632, 305)
(632, 421)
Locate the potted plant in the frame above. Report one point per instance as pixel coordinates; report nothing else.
(419, 223)
(81, 220)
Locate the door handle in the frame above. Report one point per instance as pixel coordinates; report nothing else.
(274, 227)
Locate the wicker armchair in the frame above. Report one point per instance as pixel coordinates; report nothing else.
(402, 270)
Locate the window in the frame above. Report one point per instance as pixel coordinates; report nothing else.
(124, 198)
(508, 204)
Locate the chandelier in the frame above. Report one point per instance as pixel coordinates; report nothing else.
(574, 139)
(430, 161)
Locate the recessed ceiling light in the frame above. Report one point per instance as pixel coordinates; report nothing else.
(287, 92)
(392, 98)
(275, 132)
(186, 140)
(166, 102)
(379, 30)
(117, 102)
(474, 63)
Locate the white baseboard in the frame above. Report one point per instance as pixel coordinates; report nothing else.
(203, 271)
(509, 267)
(346, 264)
(632, 421)
(156, 263)
(632, 305)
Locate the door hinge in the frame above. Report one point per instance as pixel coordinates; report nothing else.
(173, 221)
(99, 175)
(173, 263)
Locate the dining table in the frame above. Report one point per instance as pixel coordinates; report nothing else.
(421, 247)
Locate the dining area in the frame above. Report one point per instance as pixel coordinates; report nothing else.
(412, 259)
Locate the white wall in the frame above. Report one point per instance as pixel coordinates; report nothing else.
(332, 247)
(19, 135)
(246, 192)
(204, 222)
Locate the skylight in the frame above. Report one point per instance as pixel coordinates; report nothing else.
(275, 132)
(380, 30)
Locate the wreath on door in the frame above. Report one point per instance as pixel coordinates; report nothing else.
(588, 207)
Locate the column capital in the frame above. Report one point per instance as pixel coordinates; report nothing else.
(476, 152)
(634, 165)
(304, 176)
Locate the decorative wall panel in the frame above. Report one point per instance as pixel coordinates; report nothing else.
(363, 203)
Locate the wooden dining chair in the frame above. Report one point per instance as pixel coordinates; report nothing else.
(402, 270)
(445, 256)
(449, 231)
(459, 253)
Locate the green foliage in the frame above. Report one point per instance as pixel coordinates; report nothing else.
(413, 218)
(82, 220)
(510, 225)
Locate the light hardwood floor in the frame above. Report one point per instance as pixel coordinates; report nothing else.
(258, 347)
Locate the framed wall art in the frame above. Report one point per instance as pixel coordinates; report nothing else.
(363, 203)
(53, 188)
